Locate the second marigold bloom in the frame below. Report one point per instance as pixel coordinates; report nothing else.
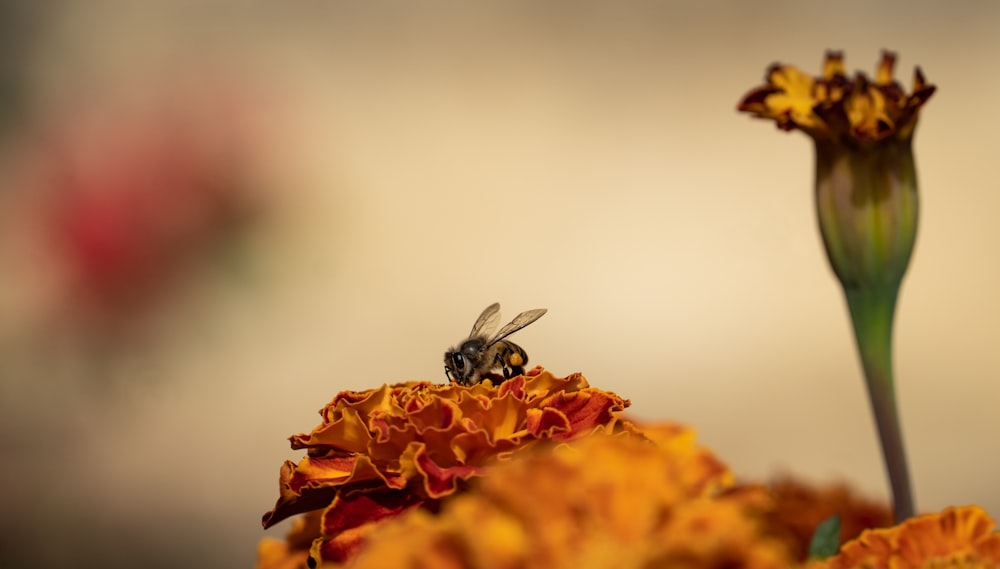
(636, 501)
(383, 451)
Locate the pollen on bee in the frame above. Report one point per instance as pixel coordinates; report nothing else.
(515, 359)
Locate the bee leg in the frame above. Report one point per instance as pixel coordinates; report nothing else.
(510, 371)
(499, 362)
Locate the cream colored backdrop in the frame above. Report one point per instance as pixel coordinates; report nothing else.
(581, 156)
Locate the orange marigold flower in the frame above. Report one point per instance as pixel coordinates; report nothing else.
(600, 502)
(837, 107)
(958, 538)
(795, 509)
(380, 452)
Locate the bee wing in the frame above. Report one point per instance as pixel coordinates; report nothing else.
(522, 320)
(487, 321)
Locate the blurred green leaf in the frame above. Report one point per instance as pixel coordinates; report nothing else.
(826, 539)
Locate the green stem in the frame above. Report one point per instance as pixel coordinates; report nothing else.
(872, 312)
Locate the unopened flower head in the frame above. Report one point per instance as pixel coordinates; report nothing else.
(866, 203)
(866, 184)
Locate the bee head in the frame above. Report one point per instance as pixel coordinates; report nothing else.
(460, 364)
(457, 367)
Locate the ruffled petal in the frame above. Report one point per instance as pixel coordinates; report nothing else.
(837, 108)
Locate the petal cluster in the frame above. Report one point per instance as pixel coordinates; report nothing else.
(959, 538)
(293, 551)
(381, 452)
(600, 502)
(794, 509)
(839, 108)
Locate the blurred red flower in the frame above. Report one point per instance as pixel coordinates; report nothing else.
(133, 200)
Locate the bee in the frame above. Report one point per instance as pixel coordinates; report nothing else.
(484, 351)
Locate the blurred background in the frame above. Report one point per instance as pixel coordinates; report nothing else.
(214, 215)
